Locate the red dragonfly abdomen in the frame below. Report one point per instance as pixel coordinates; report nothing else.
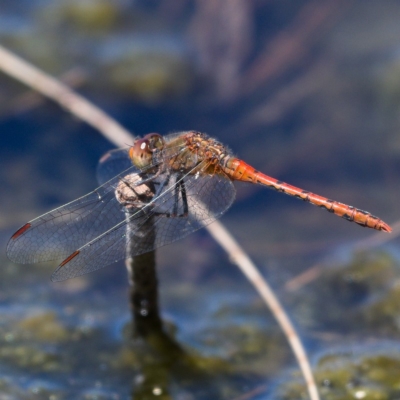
(240, 171)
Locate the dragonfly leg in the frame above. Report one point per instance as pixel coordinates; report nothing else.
(149, 178)
(176, 196)
(180, 189)
(184, 199)
(162, 186)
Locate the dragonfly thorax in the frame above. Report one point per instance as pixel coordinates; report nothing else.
(206, 148)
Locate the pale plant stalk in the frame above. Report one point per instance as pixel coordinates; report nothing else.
(86, 111)
(243, 261)
(64, 96)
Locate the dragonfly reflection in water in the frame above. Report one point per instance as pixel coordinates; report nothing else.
(180, 183)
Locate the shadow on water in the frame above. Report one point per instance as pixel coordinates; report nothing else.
(164, 363)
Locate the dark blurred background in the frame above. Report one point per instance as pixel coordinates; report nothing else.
(306, 91)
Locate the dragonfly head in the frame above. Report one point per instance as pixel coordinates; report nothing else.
(141, 153)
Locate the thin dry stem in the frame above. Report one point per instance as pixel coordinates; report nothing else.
(80, 107)
(64, 96)
(242, 260)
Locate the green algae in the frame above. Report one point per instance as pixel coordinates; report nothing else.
(90, 15)
(358, 296)
(150, 74)
(28, 344)
(383, 314)
(352, 282)
(31, 357)
(382, 369)
(343, 377)
(249, 349)
(43, 328)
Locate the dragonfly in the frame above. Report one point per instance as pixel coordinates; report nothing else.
(157, 191)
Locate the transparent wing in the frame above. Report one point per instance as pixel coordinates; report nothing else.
(111, 164)
(54, 235)
(177, 211)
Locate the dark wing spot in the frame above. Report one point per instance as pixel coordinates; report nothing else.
(69, 258)
(21, 230)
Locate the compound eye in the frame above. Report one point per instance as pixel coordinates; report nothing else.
(140, 153)
(156, 141)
